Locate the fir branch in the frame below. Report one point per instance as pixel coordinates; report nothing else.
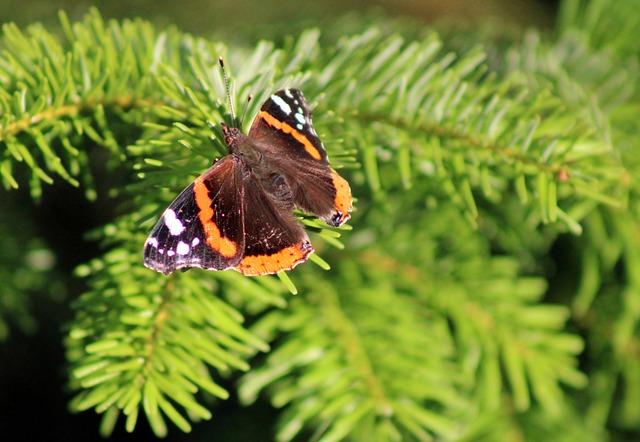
(142, 342)
(426, 313)
(605, 24)
(511, 147)
(475, 132)
(312, 381)
(595, 51)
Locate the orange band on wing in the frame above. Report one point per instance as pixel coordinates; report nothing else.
(284, 127)
(223, 246)
(286, 259)
(343, 200)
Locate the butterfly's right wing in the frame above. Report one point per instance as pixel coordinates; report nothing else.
(283, 127)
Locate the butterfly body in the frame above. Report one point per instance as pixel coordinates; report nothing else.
(237, 214)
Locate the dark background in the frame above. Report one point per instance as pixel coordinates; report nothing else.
(33, 395)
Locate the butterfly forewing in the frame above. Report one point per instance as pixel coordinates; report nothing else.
(284, 123)
(203, 227)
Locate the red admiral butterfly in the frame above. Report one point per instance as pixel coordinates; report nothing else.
(238, 214)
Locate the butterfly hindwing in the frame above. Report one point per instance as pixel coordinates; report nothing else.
(274, 240)
(323, 192)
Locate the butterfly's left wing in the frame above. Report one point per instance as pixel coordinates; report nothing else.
(226, 219)
(283, 128)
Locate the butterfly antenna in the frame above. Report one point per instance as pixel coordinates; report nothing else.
(226, 85)
(245, 109)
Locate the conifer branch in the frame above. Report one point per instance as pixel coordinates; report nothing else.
(467, 169)
(141, 343)
(421, 310)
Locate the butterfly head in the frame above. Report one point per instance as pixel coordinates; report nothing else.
(232, 135)
(240, 145)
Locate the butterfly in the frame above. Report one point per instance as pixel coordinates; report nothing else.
(238, 213)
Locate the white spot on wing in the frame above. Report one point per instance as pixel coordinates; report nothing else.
(183, 248)
(153, 242)
(174, 225)
(299, 126)
(284, 107)
(300, 117)
(195, 242)
(288, 93)
(170, 253)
